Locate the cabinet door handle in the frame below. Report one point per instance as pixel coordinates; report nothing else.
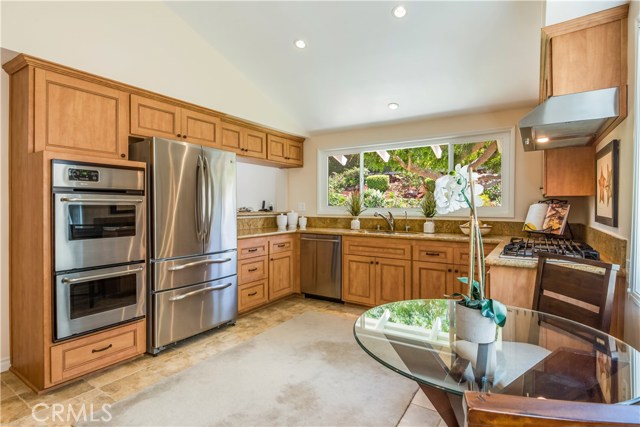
(371, 262)
(123, 155)
(431, 253)
(252, 294)
(253, 250)
(179, 135)
(252, 269)
(98, 350)
(184, 136)
(377, 263)
(282, 245)
(449, 270)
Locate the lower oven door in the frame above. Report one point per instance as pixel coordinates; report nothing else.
(98, 298)
(93, 230)
(184, 312)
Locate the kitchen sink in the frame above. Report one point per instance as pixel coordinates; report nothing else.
(387, 232)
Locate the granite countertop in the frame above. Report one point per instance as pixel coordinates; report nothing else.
(442, 237)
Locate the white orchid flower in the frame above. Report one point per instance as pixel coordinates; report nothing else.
(453, 191)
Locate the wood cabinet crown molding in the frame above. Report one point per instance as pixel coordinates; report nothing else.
(23, 60)
(587, 21)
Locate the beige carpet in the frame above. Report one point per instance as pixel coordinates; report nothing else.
(308, 371)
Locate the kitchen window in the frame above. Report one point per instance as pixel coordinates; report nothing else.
(393, 176)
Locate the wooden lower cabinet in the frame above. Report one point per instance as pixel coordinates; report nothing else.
(430, 280)
(375, 281)
(252, 295)
(78, 357)
(281, 275)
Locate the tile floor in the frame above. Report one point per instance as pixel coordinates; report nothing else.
(17, 401)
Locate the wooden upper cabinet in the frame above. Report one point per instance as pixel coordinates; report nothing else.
(569, 172)
(76, 116)
(150, 117)
(200, 128)
(283, 150)
(246, 142)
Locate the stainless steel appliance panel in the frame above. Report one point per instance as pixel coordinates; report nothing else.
(220, 200)
(67, 174)
(181, 272)
(187, 311)
(321, 265)
(97, 298)
(176, 171)
(95, 229)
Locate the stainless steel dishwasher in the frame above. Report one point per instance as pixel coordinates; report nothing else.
(321, 266)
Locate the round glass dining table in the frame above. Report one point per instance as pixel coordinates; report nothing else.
(535, 354)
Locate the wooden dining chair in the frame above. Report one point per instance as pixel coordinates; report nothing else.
(484, 410)
(576, 294)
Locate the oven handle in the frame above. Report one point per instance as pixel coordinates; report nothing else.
(197, 263)
(113, 200)
(200, 291)
(66, 280)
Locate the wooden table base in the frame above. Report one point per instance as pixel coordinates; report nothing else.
(445, 403)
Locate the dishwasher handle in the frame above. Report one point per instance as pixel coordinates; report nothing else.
(319, 240)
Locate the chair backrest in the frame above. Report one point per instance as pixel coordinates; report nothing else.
(577, 289)
(483, 410)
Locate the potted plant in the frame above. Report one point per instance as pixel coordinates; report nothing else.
(428, 206)
(476, 316)
(355, 207)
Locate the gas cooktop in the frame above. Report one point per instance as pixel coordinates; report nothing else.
(529, 247)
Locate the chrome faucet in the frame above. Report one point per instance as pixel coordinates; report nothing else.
(390, 221)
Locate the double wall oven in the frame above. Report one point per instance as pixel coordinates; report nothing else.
(99, 234)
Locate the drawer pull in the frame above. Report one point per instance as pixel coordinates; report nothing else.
(252, 269)
(253, 250)
(282, 245)
(252, 294)
(199, 263)
(98, 350)
(431, 253)
(199, 291)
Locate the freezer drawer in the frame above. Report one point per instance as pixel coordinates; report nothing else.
(188, 311)
(321, 265)
(181, 272)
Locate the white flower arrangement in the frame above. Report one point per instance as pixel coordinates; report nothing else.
(453, 191)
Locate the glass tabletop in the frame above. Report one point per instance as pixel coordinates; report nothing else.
(535, 354)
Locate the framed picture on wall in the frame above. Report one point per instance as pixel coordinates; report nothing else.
(607, 184)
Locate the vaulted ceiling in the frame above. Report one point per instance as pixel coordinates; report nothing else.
(442, 58)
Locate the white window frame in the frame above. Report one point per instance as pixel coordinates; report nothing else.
(505, 135)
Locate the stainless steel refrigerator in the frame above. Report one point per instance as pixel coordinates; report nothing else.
(192, 239)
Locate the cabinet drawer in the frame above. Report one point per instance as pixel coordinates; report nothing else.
(433, 252)
(75, 358)
(252, 295)
(250, 270)
(375, 246)
(250, 248)
(281, 244)
(461, 253)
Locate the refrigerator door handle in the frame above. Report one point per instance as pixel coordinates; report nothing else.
(208, 200)
(199, 208)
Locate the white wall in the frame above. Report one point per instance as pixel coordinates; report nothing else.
(139, 43)
(528, 166)
(563, 10)
(258, 183)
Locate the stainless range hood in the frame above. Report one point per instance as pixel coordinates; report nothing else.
(570, 120)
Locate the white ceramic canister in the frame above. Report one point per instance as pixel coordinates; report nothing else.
(281, 220)
(292, 220)
(302, 221)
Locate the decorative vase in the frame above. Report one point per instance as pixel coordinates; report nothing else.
(355, 224)
(281, 220)
(472, 326)
(429, 227)
(302, 221)
(292, 220)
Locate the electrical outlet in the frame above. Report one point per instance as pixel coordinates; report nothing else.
(301, 206)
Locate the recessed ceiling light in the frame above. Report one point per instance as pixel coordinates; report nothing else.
(542, 139)
(399, 11)
(393, 106)
(300, 44)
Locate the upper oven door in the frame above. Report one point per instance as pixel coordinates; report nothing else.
(98, 229)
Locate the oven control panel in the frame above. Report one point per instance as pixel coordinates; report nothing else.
(86, 175)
